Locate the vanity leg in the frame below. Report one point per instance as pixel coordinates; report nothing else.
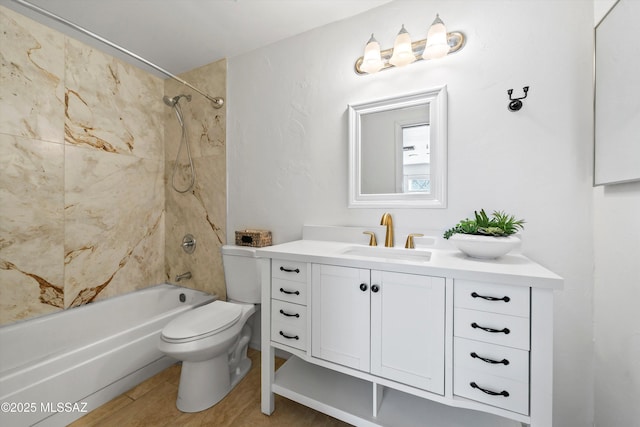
(378, 392)
(267, 358)
(541, 398)
(268, 370)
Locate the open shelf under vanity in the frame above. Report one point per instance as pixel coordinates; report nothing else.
(351, 399)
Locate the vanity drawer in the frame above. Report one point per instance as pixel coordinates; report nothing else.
(289, 334)
(491, 359)
(510, 331)
(288, 290)
(288, 313)
(497, 391)
(491, 297)
(289, 270)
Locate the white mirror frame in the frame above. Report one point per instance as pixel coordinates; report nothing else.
(616, 112)
(437, 100)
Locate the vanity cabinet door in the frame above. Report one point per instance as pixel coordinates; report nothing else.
(407, 329)
(340, 315)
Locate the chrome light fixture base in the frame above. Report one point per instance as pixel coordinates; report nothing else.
(455, 39)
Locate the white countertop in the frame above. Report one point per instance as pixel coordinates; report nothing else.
(513, 269)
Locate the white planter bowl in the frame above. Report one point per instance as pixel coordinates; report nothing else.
(485, 247)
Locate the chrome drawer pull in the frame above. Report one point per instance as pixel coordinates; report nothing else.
(288, 314)
(290, 292)
(505, 331)
(505, 362)
(504, 393)
(288, 270)
(477, 295)
(289, 337)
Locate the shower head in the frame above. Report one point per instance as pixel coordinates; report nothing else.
(173, 101)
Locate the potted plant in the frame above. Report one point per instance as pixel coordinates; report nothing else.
(486, 236)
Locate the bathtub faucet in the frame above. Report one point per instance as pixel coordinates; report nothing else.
(183, 276)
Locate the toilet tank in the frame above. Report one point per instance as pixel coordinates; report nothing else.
(241, 273)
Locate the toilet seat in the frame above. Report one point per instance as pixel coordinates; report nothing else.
(202, 322)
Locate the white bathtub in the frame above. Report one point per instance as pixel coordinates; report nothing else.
(55, 368)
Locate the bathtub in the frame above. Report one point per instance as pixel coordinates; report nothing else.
(56, 368)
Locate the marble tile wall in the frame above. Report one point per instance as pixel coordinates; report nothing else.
(82, 186)
(200, 211)
(114, 168)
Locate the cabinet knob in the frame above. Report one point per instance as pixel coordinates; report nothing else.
(363, 287)
(375, 288)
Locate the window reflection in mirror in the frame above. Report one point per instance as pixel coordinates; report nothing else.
(398, 151)
(415, 158)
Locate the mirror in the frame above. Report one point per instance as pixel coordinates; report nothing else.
(617, 111)
(398, 151)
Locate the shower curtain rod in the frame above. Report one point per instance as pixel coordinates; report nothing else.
(217, 102)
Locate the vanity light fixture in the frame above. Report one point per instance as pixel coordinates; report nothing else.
(438, 44)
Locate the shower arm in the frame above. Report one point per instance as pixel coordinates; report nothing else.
(218, 102)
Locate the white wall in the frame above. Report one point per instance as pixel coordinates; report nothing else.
(287, 141)
(616, 297)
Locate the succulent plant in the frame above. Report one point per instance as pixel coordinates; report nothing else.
(499, 224)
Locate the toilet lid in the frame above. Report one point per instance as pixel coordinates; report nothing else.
(205, 320)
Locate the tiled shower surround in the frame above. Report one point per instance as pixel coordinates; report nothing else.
(87, 148)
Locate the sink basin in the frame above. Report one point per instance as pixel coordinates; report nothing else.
(414, 255)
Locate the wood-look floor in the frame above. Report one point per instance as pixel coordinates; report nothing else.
(153, 404)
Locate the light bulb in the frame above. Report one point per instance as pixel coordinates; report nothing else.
(372, 63)
(437, 44)
(402, 50)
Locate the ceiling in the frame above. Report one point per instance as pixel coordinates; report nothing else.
(180, 35)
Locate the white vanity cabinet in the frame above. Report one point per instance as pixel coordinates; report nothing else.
(377, 342)
(386, 323)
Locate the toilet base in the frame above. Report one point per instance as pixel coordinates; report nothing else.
(203, 384)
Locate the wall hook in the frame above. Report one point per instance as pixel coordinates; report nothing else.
(516, 104)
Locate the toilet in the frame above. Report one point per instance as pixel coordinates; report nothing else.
(212, 340)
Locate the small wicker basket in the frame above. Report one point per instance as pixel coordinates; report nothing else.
(253, 238)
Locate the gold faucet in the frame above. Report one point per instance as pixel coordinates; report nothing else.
(372, 238)
(388, 238)
(410, 244)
